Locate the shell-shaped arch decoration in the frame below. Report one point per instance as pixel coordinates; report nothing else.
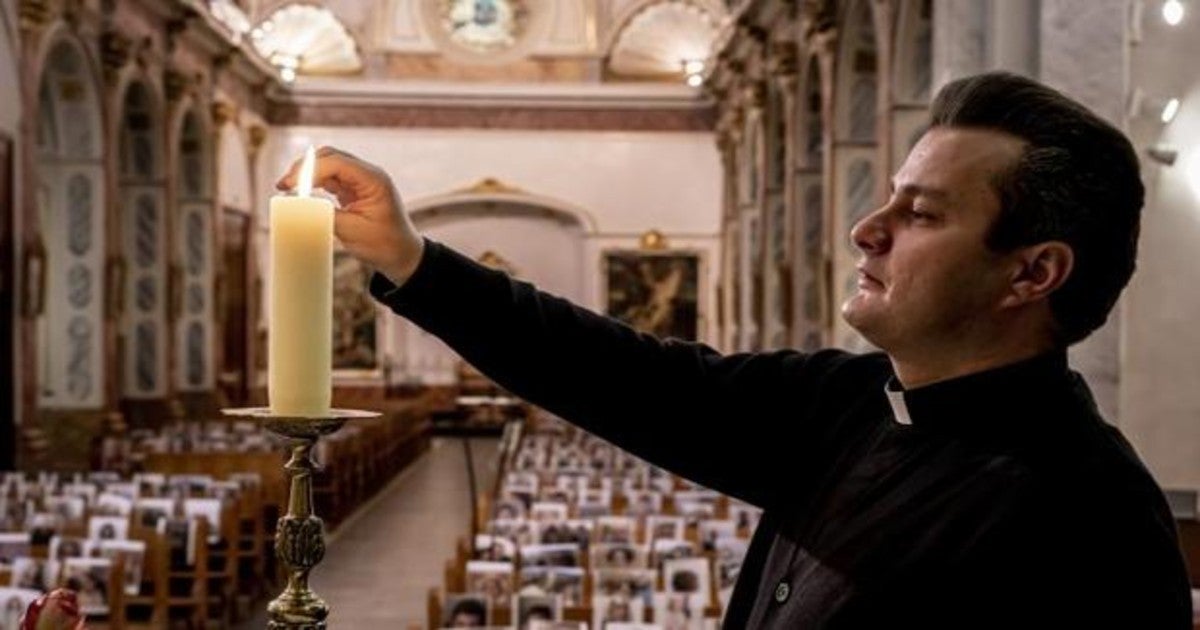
(661, 38)
(307, 39)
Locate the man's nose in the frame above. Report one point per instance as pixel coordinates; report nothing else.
(871, 234)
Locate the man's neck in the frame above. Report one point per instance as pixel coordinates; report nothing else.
(927, 368)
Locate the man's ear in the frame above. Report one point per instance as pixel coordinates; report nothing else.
(1038, 271)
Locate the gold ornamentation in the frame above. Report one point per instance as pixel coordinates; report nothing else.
(33, 14)
(175, 84)
(491, 186)
(258, 135)
(496, 261)
(654, 240)
(114, 52)
(223, 112)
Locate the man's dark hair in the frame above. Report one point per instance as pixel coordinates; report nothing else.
(1076, 181)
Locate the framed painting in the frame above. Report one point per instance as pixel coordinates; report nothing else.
(355, 328)
(654, 292)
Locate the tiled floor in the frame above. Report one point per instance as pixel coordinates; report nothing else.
(382, 562)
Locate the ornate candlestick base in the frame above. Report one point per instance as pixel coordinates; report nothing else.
(300, 534)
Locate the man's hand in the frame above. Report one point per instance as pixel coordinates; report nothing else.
(371, 223)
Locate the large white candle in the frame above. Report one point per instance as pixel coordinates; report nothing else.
(300, 336)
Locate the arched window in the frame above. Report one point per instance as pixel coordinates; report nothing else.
(70, 199)
(194, 246)
(143, 232)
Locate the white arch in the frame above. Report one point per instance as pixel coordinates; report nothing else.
(71, 202)
(715, 8)
(194, 250)
(421, 209)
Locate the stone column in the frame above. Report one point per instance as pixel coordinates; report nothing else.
(1085, 53)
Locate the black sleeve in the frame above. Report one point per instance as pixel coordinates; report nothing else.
(727, 422)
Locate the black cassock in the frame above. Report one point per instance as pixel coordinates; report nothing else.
(999, 499)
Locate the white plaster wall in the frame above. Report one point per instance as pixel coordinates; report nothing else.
(1161, 342)
(547, 253)
(627, 183)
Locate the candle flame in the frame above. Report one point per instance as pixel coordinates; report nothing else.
(304, 186)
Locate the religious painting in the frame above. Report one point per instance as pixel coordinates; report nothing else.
(654, 292)
(355, 337)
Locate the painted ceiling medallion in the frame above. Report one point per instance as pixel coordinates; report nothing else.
(485, 25)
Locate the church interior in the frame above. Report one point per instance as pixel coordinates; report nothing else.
(691, 167)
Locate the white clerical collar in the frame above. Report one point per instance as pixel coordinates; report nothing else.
(895, 396)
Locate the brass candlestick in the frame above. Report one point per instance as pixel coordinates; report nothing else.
(300, 534)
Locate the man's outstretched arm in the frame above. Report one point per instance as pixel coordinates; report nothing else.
(734, 423)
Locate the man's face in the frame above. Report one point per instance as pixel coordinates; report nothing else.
(926, 276)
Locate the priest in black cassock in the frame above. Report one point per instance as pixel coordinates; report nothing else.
(961, 478)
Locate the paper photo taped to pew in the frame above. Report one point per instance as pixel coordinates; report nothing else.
(126, 489)
(538, 624)
(729, 554)
(643, 503)
(556, 555)
(493, 579)
(509, 509)
(113, 504)
(63, 547)
(494, 548)
(631, 626)
(150, 484)
(614, 529)
(592, 510)
(634, 583)
(660, 527)
(14, 545)
(566, 582)
(207, 510)
(551, 494)
(14, 513)
(745, 518)
(180, 536)
(108, 528)
(610, 609)
(151, 512)
(675, 611)
(694, 511)
(578, 532)
(84, 490)
(190, 485)
(665, 549)
(68, 508)
(619, 556)
(530, 608)
(227, 492)
(132, 554)
(519, 531)
(547, 511)
(688, 576)
(13, 604)
(89, 578)
(710, 530)
(32, 573)
(465, 610)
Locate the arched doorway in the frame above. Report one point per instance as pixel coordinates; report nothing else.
(70, 203)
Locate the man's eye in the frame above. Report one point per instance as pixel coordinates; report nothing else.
(919, 215)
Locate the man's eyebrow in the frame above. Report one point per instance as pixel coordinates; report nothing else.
(916, 190)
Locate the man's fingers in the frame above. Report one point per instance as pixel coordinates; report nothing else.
(330, 163)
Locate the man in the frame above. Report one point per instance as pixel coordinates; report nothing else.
(962, 478)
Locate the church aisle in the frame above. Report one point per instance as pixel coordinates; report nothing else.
(381, 563)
